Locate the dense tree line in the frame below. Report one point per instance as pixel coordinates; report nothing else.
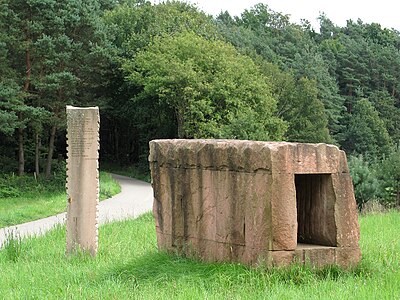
(52, 53)
(169, 70)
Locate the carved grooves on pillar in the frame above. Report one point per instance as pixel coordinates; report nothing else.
(315, 209)
(97, 133)
(82, 179)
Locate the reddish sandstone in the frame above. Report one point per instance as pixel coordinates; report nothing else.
(269, 203)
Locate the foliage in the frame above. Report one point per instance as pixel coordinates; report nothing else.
(9, 102)
(385, 105)
(389, 172)
(198, 80)
(376, 180)
(270, 35)
(16, 186)
(366, 133)
(136, 24)
(54, 53)
(339, 85)
(298, 105)
(367, 187)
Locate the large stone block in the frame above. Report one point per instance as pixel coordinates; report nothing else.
(254, 202)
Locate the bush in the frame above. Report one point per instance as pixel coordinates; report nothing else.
(7, 190)
(366, 184)
(15, 186)
(389, 174)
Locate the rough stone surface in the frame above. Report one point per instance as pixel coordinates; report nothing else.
(270, 203)
(82, 179)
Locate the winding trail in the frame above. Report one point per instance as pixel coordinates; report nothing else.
(135, 198)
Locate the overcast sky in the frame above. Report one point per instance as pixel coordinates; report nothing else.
(384, 12)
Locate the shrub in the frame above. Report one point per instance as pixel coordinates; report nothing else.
(389, 174)
(7, 190)
(15, 186)
(366, 184)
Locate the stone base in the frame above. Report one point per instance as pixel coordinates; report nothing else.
(318, 256)
(306, 254)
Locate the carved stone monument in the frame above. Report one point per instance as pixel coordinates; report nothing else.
(82, 179)
(257, 203)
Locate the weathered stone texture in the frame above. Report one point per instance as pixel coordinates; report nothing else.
(82, 179)
(254, 202)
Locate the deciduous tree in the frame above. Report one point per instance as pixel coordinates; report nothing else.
(200, 81)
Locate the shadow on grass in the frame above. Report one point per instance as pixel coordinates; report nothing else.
(153, 266)
(164, 268)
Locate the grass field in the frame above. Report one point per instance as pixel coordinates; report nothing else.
(128, 266)
(36, 200)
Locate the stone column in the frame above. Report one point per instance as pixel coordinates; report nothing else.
(82, 179)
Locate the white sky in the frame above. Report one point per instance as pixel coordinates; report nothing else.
(384, 12)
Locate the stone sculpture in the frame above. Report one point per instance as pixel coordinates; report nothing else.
(82, 179)
(257, 203)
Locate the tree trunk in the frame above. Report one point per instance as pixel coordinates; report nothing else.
(51, 150)
(21, 159)
(28, 70)
(116, 142)
(37, 154)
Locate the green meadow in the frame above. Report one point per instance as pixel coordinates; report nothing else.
(129, 266)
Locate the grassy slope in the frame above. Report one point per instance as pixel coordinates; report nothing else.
(129, 266)
(38, 204)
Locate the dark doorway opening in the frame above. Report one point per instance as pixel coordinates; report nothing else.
(315, 201)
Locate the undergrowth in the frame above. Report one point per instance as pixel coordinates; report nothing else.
(17, 186)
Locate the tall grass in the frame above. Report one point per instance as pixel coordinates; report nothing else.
(128, 266)
(26, 199)
(13, 246)
(108, 186)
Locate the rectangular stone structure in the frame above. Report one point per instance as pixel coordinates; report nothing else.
(257, 203)
(82, 179)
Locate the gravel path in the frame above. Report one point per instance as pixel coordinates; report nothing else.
(136, 198)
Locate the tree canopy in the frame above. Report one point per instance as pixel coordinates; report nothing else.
(199, 80)
(53, 54)
(169, 70)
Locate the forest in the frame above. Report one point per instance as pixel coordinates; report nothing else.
(169, 70)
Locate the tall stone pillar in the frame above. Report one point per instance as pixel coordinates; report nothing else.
(82, 179)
